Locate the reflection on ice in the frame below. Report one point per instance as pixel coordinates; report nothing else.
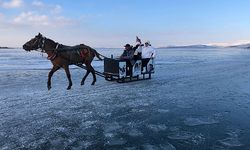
(199, 121)
(90, 131)
(189, 137)
(112, 141)
(157, 128)
(135, 132)
(181, 135)
(111, 133)
(232, 140)
(112, 127)
(184, 105)
(150, 147)
(163, 110)
(82, 145)
(88, 124)
(167, 146)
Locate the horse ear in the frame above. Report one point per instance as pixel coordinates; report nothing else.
(39, 34)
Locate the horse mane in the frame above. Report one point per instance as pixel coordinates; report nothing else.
(60, 46)
(50, 40)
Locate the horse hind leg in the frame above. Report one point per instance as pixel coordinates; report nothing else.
(84, 78)
(89, 69)
(93, 74)
(66, 68)
(52, 71)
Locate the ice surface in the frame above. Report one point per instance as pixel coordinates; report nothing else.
(192, 100)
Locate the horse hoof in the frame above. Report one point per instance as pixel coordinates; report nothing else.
(82, 83)
(49, 87)
(68, 88)
(93, 83)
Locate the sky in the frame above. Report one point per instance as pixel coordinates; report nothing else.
(113, 23)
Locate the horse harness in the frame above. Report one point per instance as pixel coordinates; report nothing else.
(81, 51)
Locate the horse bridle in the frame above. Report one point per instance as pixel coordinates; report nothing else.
(40, 44)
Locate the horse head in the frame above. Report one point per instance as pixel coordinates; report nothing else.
(35, 43)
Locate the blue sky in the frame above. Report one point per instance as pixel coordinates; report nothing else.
(111, 23)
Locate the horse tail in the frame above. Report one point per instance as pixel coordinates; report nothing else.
(98, 55)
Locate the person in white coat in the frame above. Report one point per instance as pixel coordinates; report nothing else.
(148, 52)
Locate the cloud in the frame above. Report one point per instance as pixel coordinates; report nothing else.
(30, 18)
(1, 16)
(62, 21)
(40, 15)
(2, 21)
(11, 4)
(54, 9)
(57, 9)
(34, 19)
(38, 4)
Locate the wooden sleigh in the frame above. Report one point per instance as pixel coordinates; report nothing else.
(121, 71)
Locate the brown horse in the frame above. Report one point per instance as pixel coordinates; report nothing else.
(62, 56)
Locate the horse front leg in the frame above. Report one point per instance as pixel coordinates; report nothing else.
(52, 71)
(84, 78)
(66, 68)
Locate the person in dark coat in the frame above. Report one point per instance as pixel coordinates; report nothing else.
(128, 56)
(128, 52)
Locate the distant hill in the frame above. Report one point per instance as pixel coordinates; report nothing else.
(191, 46)
(240, 46)
(3, 47)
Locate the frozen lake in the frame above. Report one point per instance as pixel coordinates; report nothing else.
(196, 100)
